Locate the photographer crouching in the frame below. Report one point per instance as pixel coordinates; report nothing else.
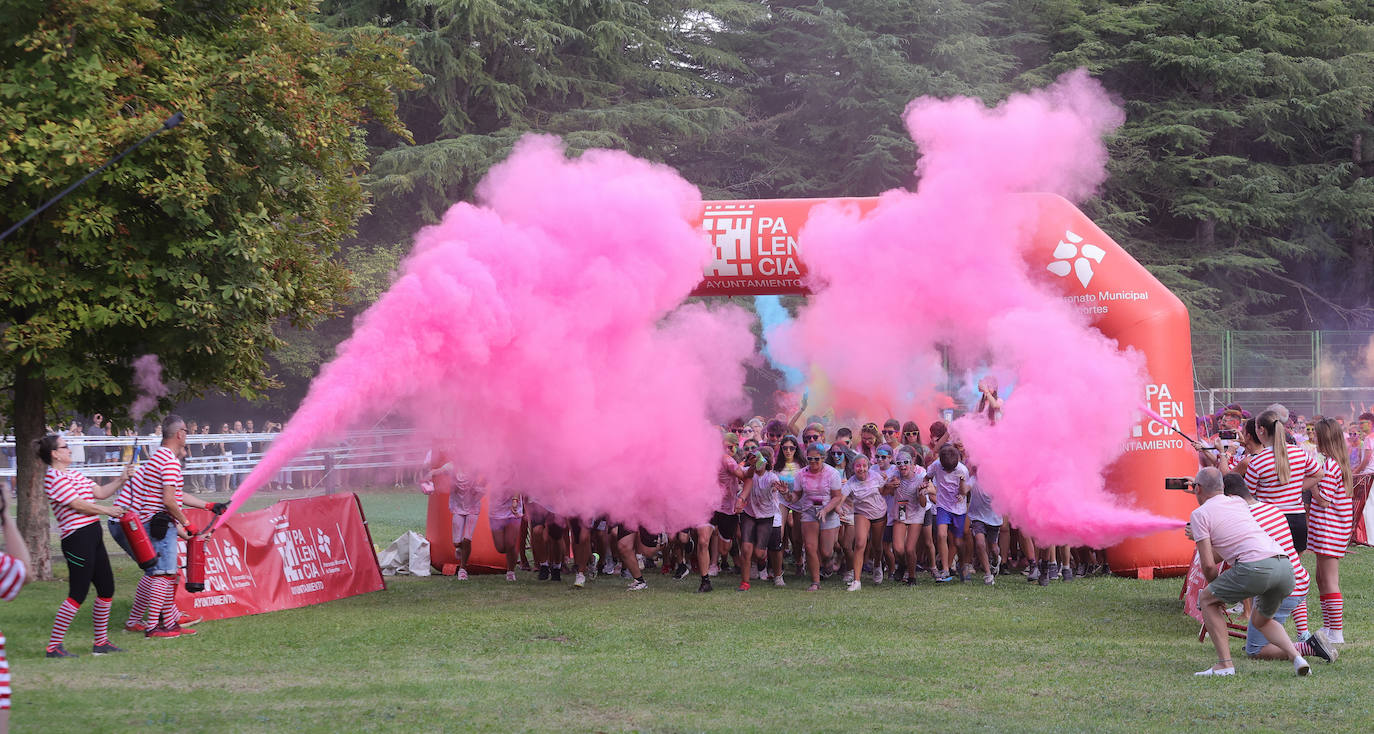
(1224, 530)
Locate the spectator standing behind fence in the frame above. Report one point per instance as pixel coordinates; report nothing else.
(77, 447)
(210, 452)
(241, 449)
(196, 481)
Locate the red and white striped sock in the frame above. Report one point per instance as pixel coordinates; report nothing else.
(66, 612)
(143, 595)
(100, 617)
(163, 589)
(167, 610)
(1300, 617)
(1333, 612)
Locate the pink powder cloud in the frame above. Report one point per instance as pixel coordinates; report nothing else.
(944, 265)
(537, 338)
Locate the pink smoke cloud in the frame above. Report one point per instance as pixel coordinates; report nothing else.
(148, 384)
(944, 266)
(538, 339)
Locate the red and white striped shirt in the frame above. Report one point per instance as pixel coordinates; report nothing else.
(1330, 527)
(1262, 478)
(62, 488)
(1275, 524)
(11, 579)
(12, 575)
(143, 492)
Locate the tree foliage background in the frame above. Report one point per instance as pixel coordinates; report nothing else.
(200, 244)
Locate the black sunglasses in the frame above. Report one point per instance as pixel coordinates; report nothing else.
(913, 433)
(811, 437)
(813, 458)
(888, 432)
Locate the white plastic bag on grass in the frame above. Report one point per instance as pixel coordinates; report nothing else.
(407, 555)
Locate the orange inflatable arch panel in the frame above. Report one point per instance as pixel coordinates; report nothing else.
(754, 252)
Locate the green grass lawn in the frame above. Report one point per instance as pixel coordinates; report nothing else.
(431, 654)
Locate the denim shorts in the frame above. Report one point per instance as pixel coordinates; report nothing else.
(1255, 640)
(166, 550)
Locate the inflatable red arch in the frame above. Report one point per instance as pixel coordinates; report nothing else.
(755, 253)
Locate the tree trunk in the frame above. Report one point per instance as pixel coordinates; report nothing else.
(1361, 238)
(30, 394)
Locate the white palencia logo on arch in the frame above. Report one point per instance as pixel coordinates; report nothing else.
(1072, 255)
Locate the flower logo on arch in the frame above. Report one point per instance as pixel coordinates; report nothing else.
(1072, 256)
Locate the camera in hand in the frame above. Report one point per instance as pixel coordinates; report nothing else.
(1177, 483)
(1227, 435)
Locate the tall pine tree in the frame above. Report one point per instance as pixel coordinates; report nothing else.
(1241, 175)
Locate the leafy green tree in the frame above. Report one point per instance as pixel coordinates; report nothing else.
(195, 245)
(1241, 177)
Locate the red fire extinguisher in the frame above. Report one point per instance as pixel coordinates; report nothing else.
(195, 562)
(139, 542)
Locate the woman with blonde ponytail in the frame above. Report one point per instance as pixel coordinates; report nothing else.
(1281, 473)
(1330, 523)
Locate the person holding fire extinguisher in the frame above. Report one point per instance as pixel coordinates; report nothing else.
(156, 492)
(73, 497)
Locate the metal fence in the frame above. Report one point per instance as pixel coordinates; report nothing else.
(1310, 372)
(221, 461)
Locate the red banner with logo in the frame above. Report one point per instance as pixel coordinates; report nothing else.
(1193, 584)
(292, 554)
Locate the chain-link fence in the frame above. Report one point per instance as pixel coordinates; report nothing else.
(1311, 372)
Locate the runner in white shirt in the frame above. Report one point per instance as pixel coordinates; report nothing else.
(865, 490)
(818, 492)
(950, 478)
(912, 495)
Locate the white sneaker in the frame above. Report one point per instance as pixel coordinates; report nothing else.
(777, 581)
(763, 575)
(714, 570)
(1214, 673)
(510, 575)
(878, 575)
(1336, 638)
(462, 574)
(579, 581)
(989, 579)
(854, 585)
(637, 586)
(1300, 666)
